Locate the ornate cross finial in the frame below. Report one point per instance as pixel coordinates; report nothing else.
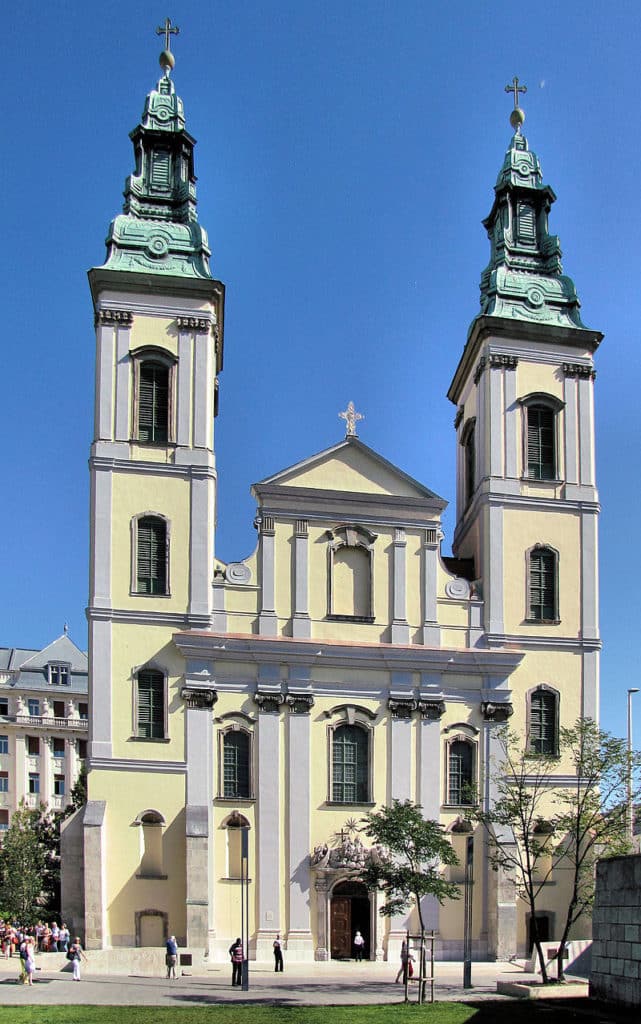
(66, 628)
(351, 417)
(168, 30)
(516, 89)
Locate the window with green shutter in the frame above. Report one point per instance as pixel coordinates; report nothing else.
(350, 765)
(151, 555)
(542, 585)
(543, 724)
(541, 442)
(153, 402)
(150, 705)
(236, 755)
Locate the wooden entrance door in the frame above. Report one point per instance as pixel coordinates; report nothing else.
(341, 927)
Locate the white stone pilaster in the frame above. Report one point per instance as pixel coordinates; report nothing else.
(429, 793)
(198, 817)
(100, 687)
(400, 627)
(570, 420)
(512, 420)
(105, 349)
(301, 625)
(586, 431)
(268, 833)
(123, 382)
(203, 391)
(267, 623)
(494, 570)
(201, 544)
(496, 442)
(185, 372)
(431, 628)
(299, 936)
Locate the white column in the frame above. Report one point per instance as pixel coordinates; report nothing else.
(430, 784)
(570, 419)
(203, 391)
(431, 628)
(104, 382)
(100, 687)
(512, 418)
(586, 430)
(496, 420)
(46, 770)
(198, 813)
(301, 625)
(268, 832)
(299, 936)
(400, 627)
(267, 622)
(494, 569)
(201, 544)
(123, 382)
(19, 781)
(184, 382)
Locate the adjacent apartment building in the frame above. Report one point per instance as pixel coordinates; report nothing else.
(43, 725)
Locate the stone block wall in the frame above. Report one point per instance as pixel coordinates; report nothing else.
(616, 929)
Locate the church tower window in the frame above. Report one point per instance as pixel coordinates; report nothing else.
(153, 403)
(151, 555)
(350, 765)
(460, 772)
(542, 585)
(236, 757)
(468, 440)
(150, 704)
(540, 443)
(543, 721)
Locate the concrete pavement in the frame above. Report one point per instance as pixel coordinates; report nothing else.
(333, 983)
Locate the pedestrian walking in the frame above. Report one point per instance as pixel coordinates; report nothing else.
(359, 944)
(29, 961)
(236, 954)
(406, 962)
(172, 956)
(278, 954)
(75, 954)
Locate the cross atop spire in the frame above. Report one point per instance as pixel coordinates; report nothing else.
(517, 117)
(169, 30)
(514, 88)
(351, 417)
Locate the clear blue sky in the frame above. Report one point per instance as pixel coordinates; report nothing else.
(347, 154)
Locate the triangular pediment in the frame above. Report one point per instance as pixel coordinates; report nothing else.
(350, 467)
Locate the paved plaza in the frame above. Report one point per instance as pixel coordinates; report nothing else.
(300, 984)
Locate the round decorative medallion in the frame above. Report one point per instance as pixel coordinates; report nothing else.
(458, 589)
(535, 297)
(163, 113)
(238, 572)
(157, 246)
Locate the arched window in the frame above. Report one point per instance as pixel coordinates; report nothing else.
(236, 825)
(350, 764)
(151, 855)
(540, 448)
(543, 721)
(151, 547)
(461, 758)
(153, 402)
(468, 441)
(150, 704)
(236, 764)
(542, 585)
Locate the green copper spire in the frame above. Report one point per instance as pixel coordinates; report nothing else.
(158, 231)
(524, 279)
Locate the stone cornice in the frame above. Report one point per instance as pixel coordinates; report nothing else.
(581, 370)
(113, 318)
(193, 323)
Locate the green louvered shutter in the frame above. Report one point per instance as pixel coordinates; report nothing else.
(540, 443)
(151, 568)
(151, 704)
(153, 403)
(542, 585)
(543, 738)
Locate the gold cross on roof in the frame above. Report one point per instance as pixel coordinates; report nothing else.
(168, 31)
(351, 417)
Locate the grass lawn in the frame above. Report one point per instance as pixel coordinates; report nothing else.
(487, 1012)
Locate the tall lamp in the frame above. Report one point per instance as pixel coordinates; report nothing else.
(633, 689)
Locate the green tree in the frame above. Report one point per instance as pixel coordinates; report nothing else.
(535, 826)
(407, 863)
(28, 864)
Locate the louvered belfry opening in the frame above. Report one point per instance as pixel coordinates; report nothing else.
(151, 704)
(153, 403)
(151, 565)
(543, 585)
(543, 733)
(540, 443)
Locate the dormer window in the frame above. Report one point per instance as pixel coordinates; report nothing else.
(59, 675)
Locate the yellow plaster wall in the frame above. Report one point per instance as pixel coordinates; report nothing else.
(154, 330)
(352, 470)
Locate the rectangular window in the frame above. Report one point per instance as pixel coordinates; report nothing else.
(153, 402)
(83, 710)
(4, 744)
(58, 746)
(59, 785)
(151, 705)
(58, 709)
(541, 443)
(543, 586)
(59, 675)
(4, 820)
(33, 745)
(34, 782)
(82, 749)
(460, 772)
(151, 556)
(543, 731)
(4, 782)
(4, 706)
(236, 747)
(33, 705)
(350, 765)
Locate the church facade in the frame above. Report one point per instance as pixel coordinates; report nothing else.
(248, 714)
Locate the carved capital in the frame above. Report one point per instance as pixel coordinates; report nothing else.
(497, 359)
(401, 707)
(579, 370)
(495, 712)
(302, 528)
(269, 703)
(113, 318)
(479, 369)
(299, 703)
(193, 323)
(431, 710)
(266, 524)
(199, 696)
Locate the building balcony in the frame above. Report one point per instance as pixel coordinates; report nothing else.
(42, 722)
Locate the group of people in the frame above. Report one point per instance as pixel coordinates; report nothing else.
(237, 955)
(25, 942)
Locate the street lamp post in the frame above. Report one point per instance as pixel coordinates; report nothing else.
(633, 689)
